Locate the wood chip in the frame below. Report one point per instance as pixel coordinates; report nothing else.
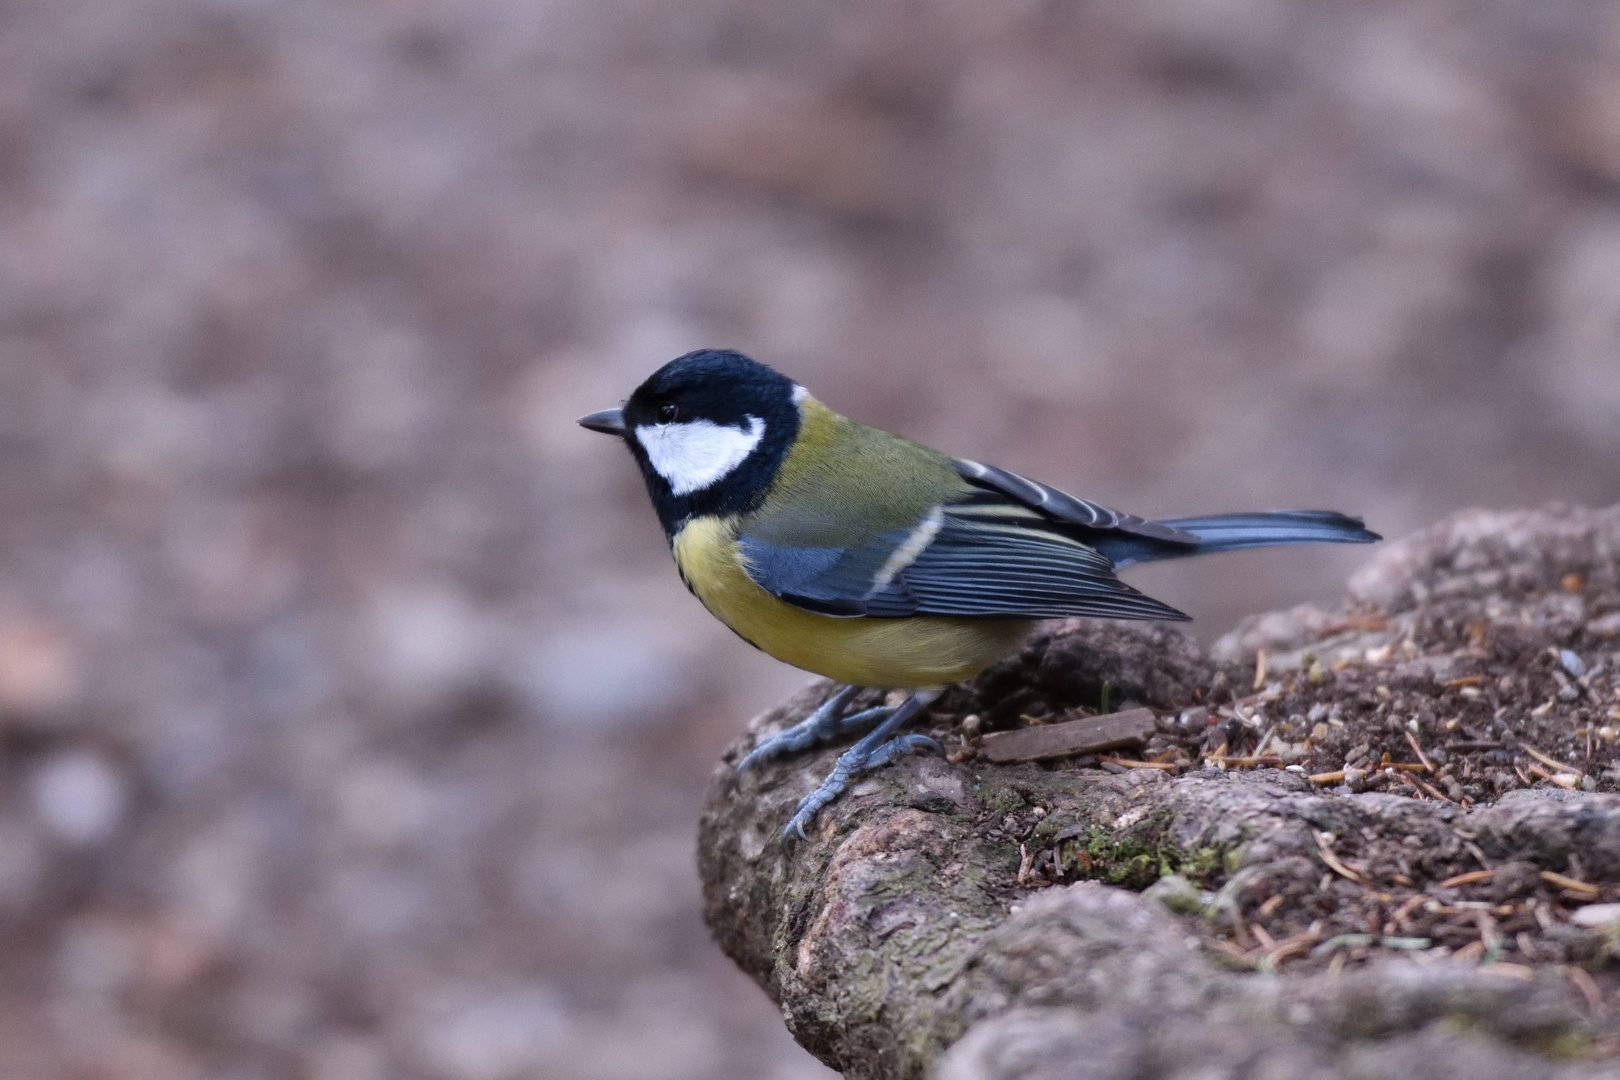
(1132, 727)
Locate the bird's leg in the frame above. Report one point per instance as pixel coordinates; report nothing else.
(825, 724)
(878, 747)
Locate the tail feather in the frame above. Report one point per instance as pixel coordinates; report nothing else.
(1230, 532)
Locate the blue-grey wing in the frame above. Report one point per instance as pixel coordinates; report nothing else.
(987, 557)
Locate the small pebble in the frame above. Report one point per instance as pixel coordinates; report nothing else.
(1596, 915)
(1572, 663)
(79, 797)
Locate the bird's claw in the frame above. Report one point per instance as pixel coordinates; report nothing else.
(828, 722)
(850, 765)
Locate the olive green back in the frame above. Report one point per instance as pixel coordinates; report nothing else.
(870, 480)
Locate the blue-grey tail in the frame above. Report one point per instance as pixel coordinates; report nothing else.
(1230, 532)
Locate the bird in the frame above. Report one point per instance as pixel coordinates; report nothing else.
(879, 562)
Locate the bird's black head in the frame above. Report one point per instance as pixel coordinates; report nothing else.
(709, 430)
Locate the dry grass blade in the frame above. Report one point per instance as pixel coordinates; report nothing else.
(1585, 984)
(1247, 762)
(1404, 912)
(1333, 862)
(1473, 877)
(1548, 760)
(1288, 948)
(1521, 972)
(1574, 885)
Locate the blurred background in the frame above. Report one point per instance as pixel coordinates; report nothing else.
(353, 722)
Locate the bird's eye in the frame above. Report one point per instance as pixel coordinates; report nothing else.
(667, 412)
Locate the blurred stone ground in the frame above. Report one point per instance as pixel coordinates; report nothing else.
(354, 725)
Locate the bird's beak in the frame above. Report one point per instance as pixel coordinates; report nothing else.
(608, 421)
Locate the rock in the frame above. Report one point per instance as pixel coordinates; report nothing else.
(1177, 894)
(1000, 934)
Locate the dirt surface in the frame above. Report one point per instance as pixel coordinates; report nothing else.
(1406, 799)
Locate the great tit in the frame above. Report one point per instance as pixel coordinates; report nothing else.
(877, 561)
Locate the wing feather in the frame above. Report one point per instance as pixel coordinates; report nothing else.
(980, 558)
(1062, 506)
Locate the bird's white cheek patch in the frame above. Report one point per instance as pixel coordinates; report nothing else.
(694, 454)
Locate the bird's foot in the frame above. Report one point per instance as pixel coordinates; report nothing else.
(824, 725)
(880, 747)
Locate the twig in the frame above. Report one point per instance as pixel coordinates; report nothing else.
(1431, 789)
(1265, 740)
(1411, 783)
(1132, 763)
(1567, 781)
(1334, 777)
(1428, 765)
(1260, 659)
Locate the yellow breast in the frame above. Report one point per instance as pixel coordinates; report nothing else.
(891, 653)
